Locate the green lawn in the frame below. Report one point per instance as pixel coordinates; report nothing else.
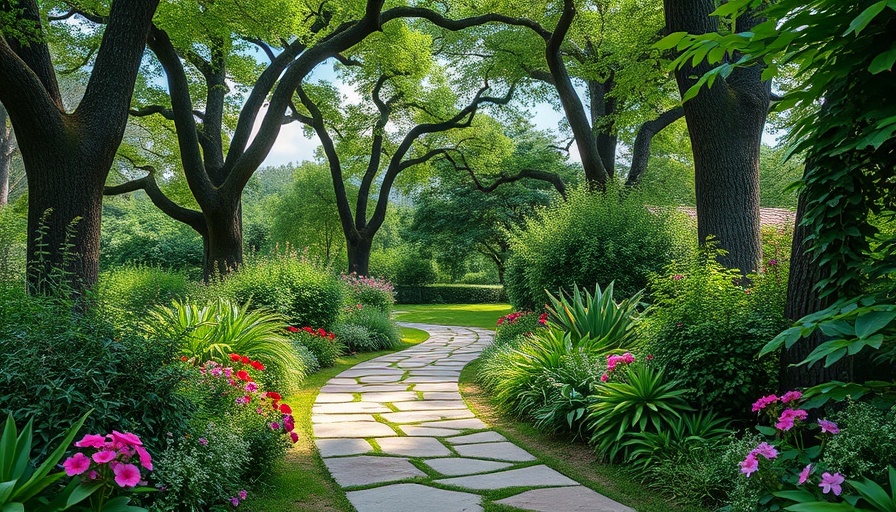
(300, 481)
(470, 315)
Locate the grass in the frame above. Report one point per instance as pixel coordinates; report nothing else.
(467, 315)
(300, 481)
(574, 460)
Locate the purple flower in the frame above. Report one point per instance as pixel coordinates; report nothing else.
(831, 482)
(766, 450)
(749, 465)
(772, 262)
(275, 425)
(677, 277)
(828, 427)
(791, 396)
(785, 422)
(243, 494)
(764, 402)
(804, 474)
(235, 501)
(203, 441)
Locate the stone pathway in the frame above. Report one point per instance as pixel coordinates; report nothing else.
(397, 436)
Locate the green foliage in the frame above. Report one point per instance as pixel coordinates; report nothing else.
(369, 292)
(591, 238)
(566, 395)
(135, 232)
(128, 292)
(597, 318)
(13, 225)
(689, 433)
(196, 476)
(324, 350)
(699, 476)
(642, 401)
(450, 294)
(706, 329)
(356, 337)
(58, 364)
(295, 288)
(778, 178)
(864, 447)
(404, 267)
(517, 325)
(383, 332)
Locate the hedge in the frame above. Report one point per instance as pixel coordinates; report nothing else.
(450, 294)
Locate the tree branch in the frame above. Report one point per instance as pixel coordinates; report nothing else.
(641, 149)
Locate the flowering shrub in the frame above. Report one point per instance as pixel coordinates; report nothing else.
(323, 344)
(112, 462)
(518, 324)
(369, 291)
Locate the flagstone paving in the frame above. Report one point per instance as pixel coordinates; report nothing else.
(395, 433)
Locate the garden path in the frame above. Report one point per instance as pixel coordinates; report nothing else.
(397, 436)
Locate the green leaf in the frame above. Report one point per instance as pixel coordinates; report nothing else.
(873, 322)
(670, 41)
(873, 493)
(862, 20)
(883, 62)
(13, 507)
(821, 506)
(769, 431)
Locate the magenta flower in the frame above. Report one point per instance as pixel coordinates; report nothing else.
(677, 277)
(243, 494)
(91, 441)
(766, 450)
(804, 474)
(146, 459)
(604, 378)
(275, 425)
(126, 475)
(104, 456)
(828, 427)
(785, 422)
(203, 441)
(251, 387)
(235, 501)
(791, 396)
(772, 262)
(764, 402)
(749, 465)
(76, 464)
(831, 482)
(93, 475)
(126, 438)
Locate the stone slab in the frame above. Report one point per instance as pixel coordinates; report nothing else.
(337, 447)
(444, 386)
(533, 476)
(441, 395)
(479, 437)
(457, 466)
(413, 498)
(416, 431)
(418, 416)
(430, 405)
(567, 499)
(329, 398)
(338, 418)
(500, 451)
(470, 423)
(395, 396)
(354, 429)
(413, 446)
(350, 408)
(362, 388)
(380, 379)
(366, 470)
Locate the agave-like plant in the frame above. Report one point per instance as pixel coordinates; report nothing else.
(595, 321)
(641, 401)
(222, 327)
(690, 431)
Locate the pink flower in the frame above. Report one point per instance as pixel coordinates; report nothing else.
(791, 396)
(829, 427)
(243, 494)
(203, 441)
(146, 459)
(543, 319)
(275, 425)
(766, 450)
(93, 475)
(91, 441)
(749, 465)
(785, 422)
(76, 464)
(294, 437)
(126, 438)
(764, 402)
(126, 475)
(677, 277)
(104, 456)
(772, 262)
(604, 378)
(235, 501)
(804, 474)
(251, 387)
(831, 482)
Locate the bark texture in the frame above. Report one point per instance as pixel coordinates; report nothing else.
(725, 123)
(7, 149)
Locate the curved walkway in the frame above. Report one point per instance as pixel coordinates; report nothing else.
(397, 436)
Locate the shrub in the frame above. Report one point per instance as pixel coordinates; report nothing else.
(220, 328)
(591, 238)
(864, 447)
(128, 292)
(58, 364)
(566, 396)
(517, 324)
(706, 328)
(597, 318)
(302, 292)
(324, 345)
(310, 361)
(356, 337)
(450, 294)
(690, 432)
(369, 291)
(694, 476)
(384, 333)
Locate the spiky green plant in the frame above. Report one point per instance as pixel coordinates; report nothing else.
(221, 327)
(595, 320)
(641, 401)
(689, 432)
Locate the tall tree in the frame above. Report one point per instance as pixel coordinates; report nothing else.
(67, 156)
(7, 150)
(725, 122)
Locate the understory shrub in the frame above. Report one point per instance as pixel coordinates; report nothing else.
(450, 294)
(356, 337)
(129, 292)
(325, 346)
(865, 445)
(516, 324)
(592, 238)
(297, 289)
(707, 325)
(369, 291)
(382, 331)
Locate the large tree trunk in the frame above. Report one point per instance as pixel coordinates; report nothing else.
(224, 244)
(359, 254)
(7, 146)
(603, 106)
(725, 123)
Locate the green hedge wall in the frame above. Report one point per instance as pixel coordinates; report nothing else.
(450, 294)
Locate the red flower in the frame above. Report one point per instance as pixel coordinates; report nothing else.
(257, 365)
(501, 320)
(332, 336)
(245, 359)
(543, 319)
(321, 332)
(294, 437)
(234, 357)
(183, 358)
(292, 328)
(308, 329)
(242, 375)
(285, 409)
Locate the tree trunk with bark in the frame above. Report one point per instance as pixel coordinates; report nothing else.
(725, 123)
(7, 149)
(359, 254)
